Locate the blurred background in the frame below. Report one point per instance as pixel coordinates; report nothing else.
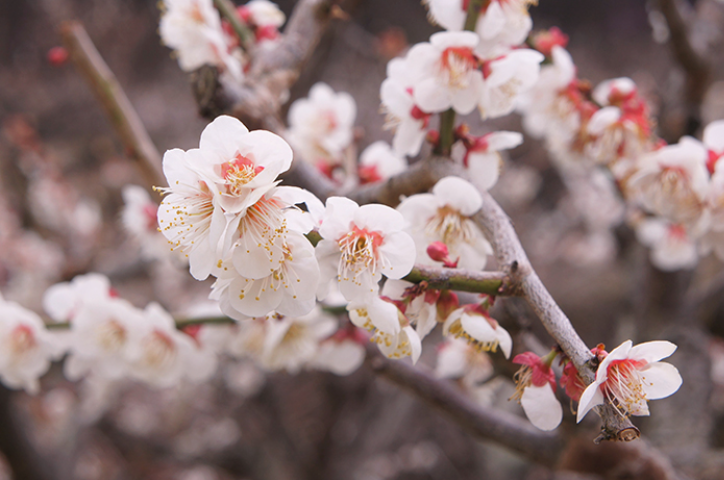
(62, 168)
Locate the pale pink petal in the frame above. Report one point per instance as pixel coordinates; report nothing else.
(660, 380)
(458, 194)
(652, 351)
(591, 397)
(714, 136)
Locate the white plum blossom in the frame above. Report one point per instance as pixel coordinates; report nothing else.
(26, 347)
(340, 354)
(264, 13)
(212, 187)
(506, 79)
(445, 215)
(673, 182)
(629, 376)
(359, 244)
(547, 109)
(64, 300)
(392, 331)
(478, 329)
(193, 29)
(139, 219)
(482, 159)
(672, 247)
(446, 73)
(379, 162)
(535, 390)
(458, 359)
(501, 24)
(403, 115)
(292, 342)
(102, 334)
(421, 310)
(163, 356)
(288, 285)
(321, 126)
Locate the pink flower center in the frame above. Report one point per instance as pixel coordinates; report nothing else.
(22, 340)
(238, 172)
(359, 252)
(624, 386)
(456, 63)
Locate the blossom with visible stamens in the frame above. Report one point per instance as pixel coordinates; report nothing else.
(535, 386)
(673, 182)
(445, 215)
(212, 187)
(629, 376)
(102, 333)
(474, 324)
(289, 287)
(391, 328)
(359, 244)
(26, 347)
(446, 73)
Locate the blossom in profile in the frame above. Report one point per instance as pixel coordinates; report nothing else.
(391, 329)
(360, 244)
(193, 29)
(630, 376)
(473, 324)
(535, 390)
(321, 126)
(404, 116)
(26, 347)
(292, 342)
(445, 215)
(379, 162)
(446, 73)
(482, 156)
(139, 220)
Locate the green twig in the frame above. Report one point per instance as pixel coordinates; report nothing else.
(228, 11)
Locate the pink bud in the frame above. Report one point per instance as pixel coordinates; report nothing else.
(438, 251)
(57, 56)
(547, 39)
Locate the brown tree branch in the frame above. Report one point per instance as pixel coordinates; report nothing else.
(696, 68)
(501, 427)
(118, 108)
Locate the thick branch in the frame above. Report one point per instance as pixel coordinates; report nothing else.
(695, 66)
(120, 112)
(501, 427)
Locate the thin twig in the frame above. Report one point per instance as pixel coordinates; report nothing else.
(120, 112)
(492, 283)
(228, 11)
(508, 430)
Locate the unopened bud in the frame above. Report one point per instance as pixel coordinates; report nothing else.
(57, 56)
(547, 39)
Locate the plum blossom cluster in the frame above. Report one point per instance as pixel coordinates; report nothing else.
(197, 34)
(627, 378)
(672, 191)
